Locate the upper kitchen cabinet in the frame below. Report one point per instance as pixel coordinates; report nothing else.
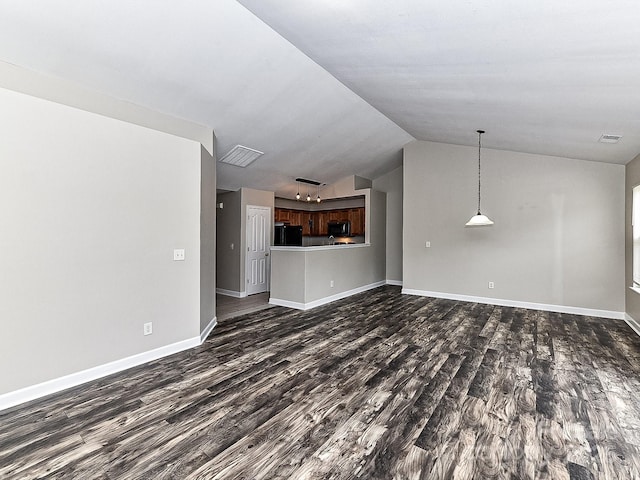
(296, 217)
(356, 217)
(320, 221)
(315, 223)
(286, 215)
(338, 215)
(281, 215)
(307, 224)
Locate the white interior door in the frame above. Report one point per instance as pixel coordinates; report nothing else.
(258, 249)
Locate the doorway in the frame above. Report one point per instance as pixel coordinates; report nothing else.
(258, 260)
(231, 307)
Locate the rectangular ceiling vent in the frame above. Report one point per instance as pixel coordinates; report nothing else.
(241, 156)
(610, 138)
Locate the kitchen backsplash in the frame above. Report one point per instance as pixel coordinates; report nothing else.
(319, 241)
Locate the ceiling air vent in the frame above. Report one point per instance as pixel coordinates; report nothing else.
(241, 156)
(610, 138)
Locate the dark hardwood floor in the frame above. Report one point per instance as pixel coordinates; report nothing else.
(377, 386)
(230, 307)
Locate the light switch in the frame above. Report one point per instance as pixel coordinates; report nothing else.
(427, 244)
(178, 254)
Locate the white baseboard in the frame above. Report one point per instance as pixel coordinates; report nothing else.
(207, 330)
(397, 283)
(33, 392)
(513, 303)
(58, 384)
(325, 300)
(286, 303)
(635, 326)
(231, 293)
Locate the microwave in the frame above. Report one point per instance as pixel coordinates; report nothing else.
(339, 229)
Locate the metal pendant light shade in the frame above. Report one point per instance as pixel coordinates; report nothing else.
(479, 220)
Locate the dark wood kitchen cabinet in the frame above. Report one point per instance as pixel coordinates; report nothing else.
(338, 215)
(356, 217)
(319, 224)
(307, 223)
(281, 215)
(295, 217)
(286, 215)
(315, 223)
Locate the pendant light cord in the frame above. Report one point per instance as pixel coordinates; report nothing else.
(480, 132)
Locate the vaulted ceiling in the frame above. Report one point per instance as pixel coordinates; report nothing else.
(330, 88)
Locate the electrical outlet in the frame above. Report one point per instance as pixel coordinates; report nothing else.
(491, 285)
(427, 244)
(331, 283)
(178, 254)
(148, 328)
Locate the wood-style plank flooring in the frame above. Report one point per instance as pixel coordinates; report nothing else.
(230, 307)
(377, 386)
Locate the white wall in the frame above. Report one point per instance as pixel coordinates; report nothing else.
(391, 184)
(353, 268)
(632, 297)
(558, 237)
(228, 244)
(18, 79)
(207, 240)
(91, 209)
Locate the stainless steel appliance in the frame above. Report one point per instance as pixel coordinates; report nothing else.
(339, 229)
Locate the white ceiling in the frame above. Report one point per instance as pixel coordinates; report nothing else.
(543, 77)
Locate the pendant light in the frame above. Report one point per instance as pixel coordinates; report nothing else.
(479, 220)
(308, 182)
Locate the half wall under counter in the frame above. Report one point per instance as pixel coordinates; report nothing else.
(307, 277)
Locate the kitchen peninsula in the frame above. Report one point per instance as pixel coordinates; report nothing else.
(304, 277)
(315, 220)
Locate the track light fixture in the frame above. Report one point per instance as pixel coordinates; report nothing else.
(308, 182)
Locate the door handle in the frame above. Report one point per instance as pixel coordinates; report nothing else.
(266, 254)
